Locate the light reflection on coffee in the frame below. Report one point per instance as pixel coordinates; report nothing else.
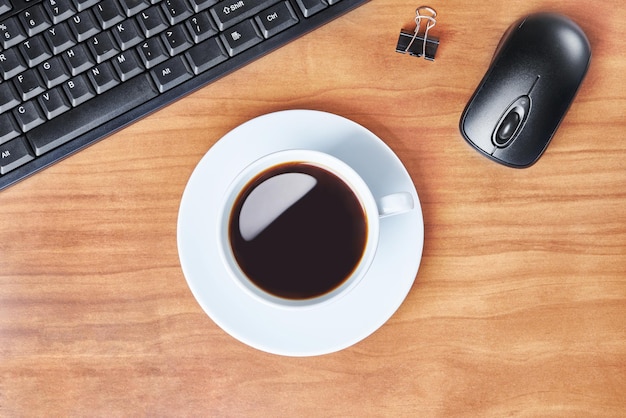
(297, 231)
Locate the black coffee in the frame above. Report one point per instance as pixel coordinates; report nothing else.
(297, 231)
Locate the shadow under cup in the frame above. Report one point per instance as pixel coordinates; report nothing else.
(299, 228)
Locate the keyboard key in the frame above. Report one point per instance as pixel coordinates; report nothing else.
(132, 7)
(311, 7)
(83, 25)
(11, 63)
(103, 77)
(59, 38)
(84, 4)
(11, 33)
(91, 114)
(14, 154)
(108, 13)
(127, 65)
(35, 19)
(241, 37)
(276, 19)
(8, 128)
(59, 9)
(28, 115)
(206, 55)
(5, 6)
(29, 84)
(176, 10)
(35, 50)
(103, 47)
(200, 5)
(78, 59)
(127, 34)
(171, 73)
(230, 12)
(176, 40)
(201, 27)
(53, 102)
(78, 90)
(152, 52)
(152, 21)
(9, 98)
(53, 72)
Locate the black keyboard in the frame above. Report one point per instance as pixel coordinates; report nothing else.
(75, 71)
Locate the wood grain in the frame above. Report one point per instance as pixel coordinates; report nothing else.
(519, 305)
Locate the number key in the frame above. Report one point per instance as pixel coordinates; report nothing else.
(59, 9)
(11, 33)
(35, 19)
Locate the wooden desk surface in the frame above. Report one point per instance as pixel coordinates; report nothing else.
(519, 306)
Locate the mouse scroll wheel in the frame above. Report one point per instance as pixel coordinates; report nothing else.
(511, 122)
(508, 127)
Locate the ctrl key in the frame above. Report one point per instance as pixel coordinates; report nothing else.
(14, 154)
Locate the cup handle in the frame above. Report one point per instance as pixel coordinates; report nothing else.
(394, 204)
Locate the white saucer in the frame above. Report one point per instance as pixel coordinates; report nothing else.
(319, 329)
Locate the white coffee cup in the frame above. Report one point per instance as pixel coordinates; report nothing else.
(259, 240)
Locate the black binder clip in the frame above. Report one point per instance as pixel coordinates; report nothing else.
(419, 44)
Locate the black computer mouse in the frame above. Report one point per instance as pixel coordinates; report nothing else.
(532, 80)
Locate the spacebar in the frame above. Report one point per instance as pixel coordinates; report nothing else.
(91, 114)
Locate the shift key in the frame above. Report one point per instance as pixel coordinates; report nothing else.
(229, 12)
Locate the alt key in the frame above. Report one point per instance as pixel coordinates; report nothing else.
(13, 154)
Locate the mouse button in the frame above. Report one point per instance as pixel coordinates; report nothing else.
(572, 44)
(559, 43)
(499, 88)
(485, 109)
(551, 100)
(476, 128)
(477, 135)
(482, 114)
